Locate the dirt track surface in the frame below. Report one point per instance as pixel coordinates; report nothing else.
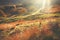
(47, 29)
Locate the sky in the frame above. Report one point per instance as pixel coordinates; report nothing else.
(3, 2)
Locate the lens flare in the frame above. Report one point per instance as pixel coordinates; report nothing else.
(44, 5)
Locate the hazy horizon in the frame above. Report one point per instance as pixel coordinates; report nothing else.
(5, 2)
